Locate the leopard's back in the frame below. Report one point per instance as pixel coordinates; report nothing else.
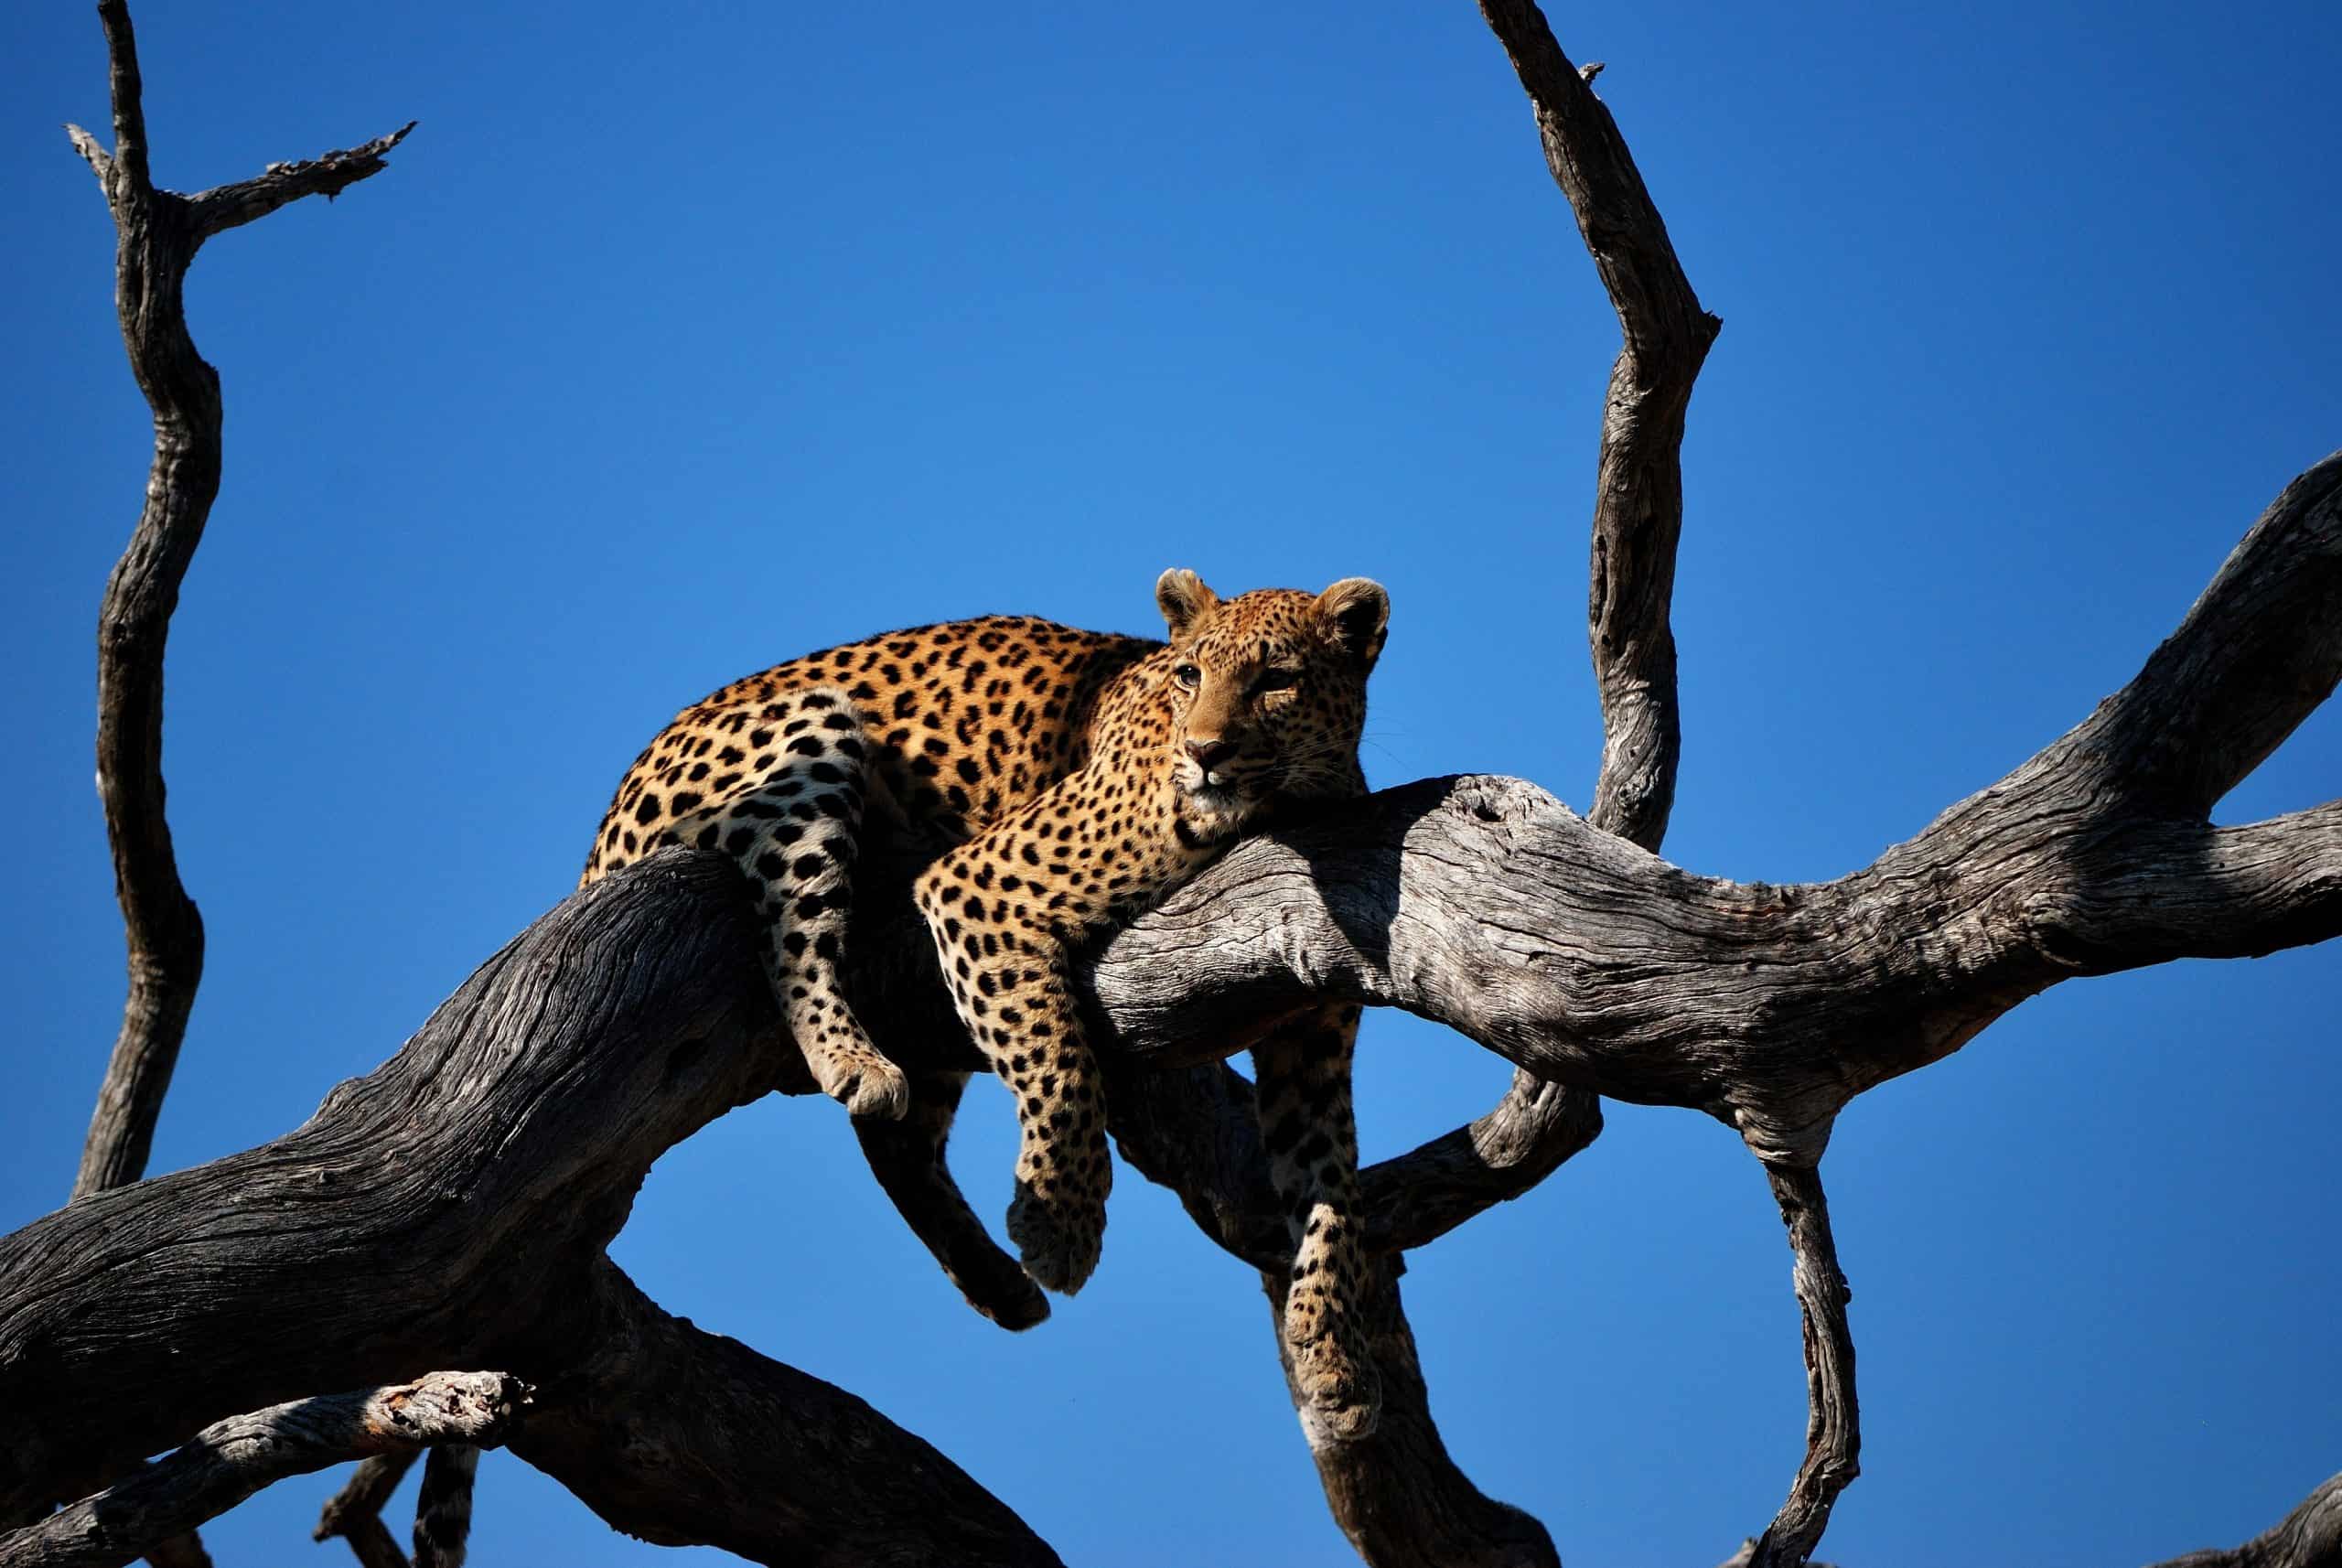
(958, 724)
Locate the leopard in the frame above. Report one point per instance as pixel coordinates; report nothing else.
(1065, 782)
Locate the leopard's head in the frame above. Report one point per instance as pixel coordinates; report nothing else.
(1267, 690)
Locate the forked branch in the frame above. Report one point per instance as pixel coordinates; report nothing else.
(157, 235)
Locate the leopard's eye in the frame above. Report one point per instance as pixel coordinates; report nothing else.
(1276, 681)
(1187, 675)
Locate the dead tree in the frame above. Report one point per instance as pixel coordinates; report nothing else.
(453, 1207)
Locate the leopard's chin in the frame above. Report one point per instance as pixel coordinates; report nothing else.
(1220, 807)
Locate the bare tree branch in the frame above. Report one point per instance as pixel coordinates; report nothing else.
(229, 1460)
(227, 206)
(158, 234)
(164, 933)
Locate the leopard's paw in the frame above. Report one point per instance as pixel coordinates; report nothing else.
(1341, 1393)
(864, 1082)
(1057, 1238)
(994, 1283)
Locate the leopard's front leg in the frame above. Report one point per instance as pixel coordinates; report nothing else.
(1310, 1134)
(1004, 955)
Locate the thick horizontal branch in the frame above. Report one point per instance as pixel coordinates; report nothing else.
(231, 1460)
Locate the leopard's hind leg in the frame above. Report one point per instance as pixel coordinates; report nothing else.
(793, 825)
(906, 1156)
(1310, 1134)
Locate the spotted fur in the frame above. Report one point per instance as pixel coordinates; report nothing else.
(442, 1506)
(1069, 779)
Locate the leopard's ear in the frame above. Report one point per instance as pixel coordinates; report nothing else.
(1360, 612)
(1184, 600)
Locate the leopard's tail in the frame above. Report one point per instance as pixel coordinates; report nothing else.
(443, 1511)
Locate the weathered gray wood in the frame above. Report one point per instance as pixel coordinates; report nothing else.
(229, 1460)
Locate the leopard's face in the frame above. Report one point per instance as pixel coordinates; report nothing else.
(1266, 692)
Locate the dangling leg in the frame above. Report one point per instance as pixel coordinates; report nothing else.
(1303, 1074)
(907, 1157)
(794, 832)
(1006, 968)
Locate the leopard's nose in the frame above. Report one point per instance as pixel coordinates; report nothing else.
(1209, 753)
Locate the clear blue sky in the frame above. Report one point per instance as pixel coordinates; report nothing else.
(667, 348)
